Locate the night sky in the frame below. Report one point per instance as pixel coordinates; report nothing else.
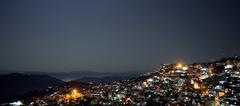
(115, 35)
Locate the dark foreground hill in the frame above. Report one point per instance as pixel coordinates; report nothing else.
(18, 84)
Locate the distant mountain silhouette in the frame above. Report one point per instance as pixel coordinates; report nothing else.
(18, 84)
(73, 75)
(106, 79)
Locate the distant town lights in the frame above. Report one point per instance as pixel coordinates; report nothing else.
(74, 94)
(196, 86)
(179, 66)
(74, 91)
(18, 103)
(228, 66)
(185, 68)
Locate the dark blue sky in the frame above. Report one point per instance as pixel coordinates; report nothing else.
(115, 35)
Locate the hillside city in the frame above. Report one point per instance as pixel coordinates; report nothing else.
(215, 83)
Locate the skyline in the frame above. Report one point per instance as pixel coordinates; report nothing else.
(58, 36)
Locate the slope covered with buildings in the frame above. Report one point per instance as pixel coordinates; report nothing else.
(199, 84)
